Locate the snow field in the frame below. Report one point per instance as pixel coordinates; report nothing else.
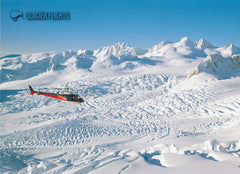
(118, 111)
(142, 114)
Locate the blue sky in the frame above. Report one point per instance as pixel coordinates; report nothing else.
(98, 23)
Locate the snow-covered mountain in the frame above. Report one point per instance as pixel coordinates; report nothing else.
(27, 66)
(184, 48)
(228, 50)
(156, 49)
(142, 114)
(119, 53)
(220, 66)
(118, 50)
(119, 56)
(203, 44)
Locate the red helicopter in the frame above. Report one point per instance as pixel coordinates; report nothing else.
(64, 96)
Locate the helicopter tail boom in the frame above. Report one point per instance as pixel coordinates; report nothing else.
(31, 89)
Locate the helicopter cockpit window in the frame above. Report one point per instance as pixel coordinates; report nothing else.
(74, 98)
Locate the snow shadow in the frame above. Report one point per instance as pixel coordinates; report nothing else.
(148, 157)
(201, 154)
(5, 95)
(195, 53)
(84, 63)
(143, 61)
(12, 162)
(10, 56)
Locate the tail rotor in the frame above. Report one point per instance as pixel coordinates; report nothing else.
(31, 89)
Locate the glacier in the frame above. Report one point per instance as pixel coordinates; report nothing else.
(173, 108)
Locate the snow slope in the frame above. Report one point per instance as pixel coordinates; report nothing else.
(171, 109)
(184, 48)
(228, 50)
(219, 66)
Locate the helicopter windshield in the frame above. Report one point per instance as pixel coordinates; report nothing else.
(75, 98)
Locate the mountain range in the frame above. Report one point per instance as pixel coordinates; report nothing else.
(120, 57)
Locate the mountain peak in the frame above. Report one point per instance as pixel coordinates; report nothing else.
(229, 50)
(85, 52)
(203, 43)
(231, 46)
(161, 44)
(228, 45)
(156, 50)
(186, 41)
(165, 42)
(121, 44)
(117, 50)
